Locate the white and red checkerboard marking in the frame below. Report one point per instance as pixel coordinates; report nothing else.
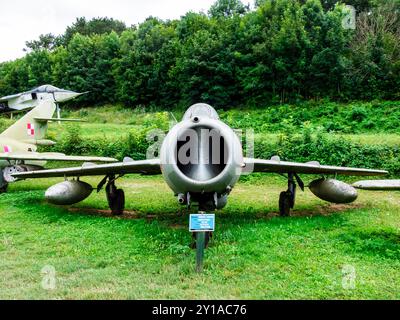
(7, 149)
(31, 129)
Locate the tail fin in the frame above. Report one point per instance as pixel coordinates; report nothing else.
(28, 128)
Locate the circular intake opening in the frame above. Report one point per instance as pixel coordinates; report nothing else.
(201, 153)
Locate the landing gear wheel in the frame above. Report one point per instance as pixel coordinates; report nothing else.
(3, 182)
(9, 171)
(285, 203)
(207, 238)
(116, 199)
(3, 188)
(287, 198)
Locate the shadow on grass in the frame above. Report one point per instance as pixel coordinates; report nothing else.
(304, 219)
(33, 199)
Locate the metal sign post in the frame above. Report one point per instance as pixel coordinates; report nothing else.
(200, 246)
(201, 224)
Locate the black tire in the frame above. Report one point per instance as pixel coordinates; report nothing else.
(3, 188)
(119, 205)
(3, 183)
(116, 201)
(285, 203)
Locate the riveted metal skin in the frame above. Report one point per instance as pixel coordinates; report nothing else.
(333, 191)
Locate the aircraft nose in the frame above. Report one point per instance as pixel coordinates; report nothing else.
(66, 96)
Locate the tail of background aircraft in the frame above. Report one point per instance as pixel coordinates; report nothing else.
(33, 125)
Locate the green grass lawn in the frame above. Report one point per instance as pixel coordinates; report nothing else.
(145, 254)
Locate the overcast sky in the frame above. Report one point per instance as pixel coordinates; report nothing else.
(22, 20)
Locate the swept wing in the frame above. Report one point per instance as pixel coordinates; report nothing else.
(35, 156)
(142, 167)
(153, 167)
(277, 166)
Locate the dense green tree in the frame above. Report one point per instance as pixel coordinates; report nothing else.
(89, 66)
(207, 68)
(278, 62)
(40, 67)
(45, 42)
(327, 49)
(92, 27)
(191, 23)
(227, 8)
(59, 62)
(5, 86)
(373, 70)
(14, 76)
(359, 5)
(147, 56)
(281, 51)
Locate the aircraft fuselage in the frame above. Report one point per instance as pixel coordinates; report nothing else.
(201, 157)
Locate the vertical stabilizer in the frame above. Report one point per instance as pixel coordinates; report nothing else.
(28, 128)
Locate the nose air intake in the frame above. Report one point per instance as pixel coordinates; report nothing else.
(201, 153)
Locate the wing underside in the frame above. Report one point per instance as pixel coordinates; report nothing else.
(277, 166)
(148, 167)
(35, 156)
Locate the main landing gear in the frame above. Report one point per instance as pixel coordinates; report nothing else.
(7, 172)
(287, 198)
(115, 197)
(3, 186)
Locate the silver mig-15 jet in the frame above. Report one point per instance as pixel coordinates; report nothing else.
(201, 159)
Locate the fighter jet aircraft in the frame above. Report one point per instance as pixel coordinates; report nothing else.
(200, 159)
(30, 99)
(18, 144)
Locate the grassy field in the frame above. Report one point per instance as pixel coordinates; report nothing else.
(114, 122)
(145, 254)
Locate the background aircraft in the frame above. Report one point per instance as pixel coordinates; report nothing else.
(201, 159)
(18, 144)
(30, 99)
